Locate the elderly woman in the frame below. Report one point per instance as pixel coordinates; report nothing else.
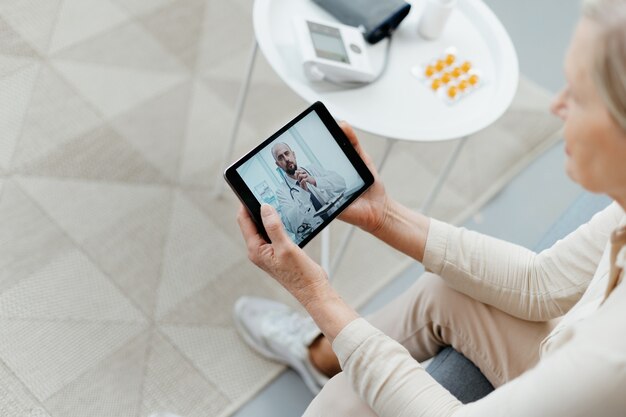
(548, 330)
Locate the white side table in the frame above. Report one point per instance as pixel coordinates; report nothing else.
(397, 106)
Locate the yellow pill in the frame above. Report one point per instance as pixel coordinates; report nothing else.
(440, 65)
(466, 66)
(456, 73)
(435, 84)
(473, 79)
(463, 85)
(452, 92)
(430, 70)
(445, 78)
(450, 58)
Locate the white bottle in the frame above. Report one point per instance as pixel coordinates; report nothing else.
(434, 18)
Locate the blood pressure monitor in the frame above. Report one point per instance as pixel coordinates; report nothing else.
(333, 52)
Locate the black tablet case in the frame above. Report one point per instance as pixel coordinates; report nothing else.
(377, 18)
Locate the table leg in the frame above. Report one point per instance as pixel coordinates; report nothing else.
(348, 235)
(445, 172)
(241, 101)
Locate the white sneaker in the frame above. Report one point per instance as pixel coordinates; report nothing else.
(277, 332)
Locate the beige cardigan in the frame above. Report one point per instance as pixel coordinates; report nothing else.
(582, 371)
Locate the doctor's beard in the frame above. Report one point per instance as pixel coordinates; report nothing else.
(291, 171)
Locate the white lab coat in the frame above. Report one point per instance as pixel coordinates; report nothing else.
(299, 209)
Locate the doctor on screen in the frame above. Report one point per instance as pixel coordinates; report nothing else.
(305, 191)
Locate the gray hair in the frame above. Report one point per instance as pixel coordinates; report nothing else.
(609, 71)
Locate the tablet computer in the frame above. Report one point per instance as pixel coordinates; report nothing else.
(308, 170)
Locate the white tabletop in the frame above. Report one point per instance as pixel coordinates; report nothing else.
(400, 106)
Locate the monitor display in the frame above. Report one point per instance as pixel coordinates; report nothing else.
(328, 42)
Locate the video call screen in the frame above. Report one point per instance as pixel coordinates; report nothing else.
(304, 174)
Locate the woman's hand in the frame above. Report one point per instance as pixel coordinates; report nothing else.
(368, 211)
(294, 270)
(282, 259)
(388, 220)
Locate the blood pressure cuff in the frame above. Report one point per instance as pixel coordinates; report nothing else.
(376, 18)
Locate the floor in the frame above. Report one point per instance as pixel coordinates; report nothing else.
(530, 23)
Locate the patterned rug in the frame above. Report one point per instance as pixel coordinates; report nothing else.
(118, 270)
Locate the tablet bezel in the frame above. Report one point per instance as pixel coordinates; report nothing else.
(246, 196)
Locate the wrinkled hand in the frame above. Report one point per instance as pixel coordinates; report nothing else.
(282, 259)
(368, 211)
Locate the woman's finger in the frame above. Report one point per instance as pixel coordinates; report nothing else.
(274, 226)
(248, 228)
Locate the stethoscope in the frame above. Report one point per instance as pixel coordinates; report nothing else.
(305, 228)
(292, 189)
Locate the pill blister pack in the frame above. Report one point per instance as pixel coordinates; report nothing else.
(449, 76)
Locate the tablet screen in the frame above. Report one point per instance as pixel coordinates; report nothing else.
(304, 174)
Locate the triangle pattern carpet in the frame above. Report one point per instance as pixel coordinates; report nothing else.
(118, 266)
